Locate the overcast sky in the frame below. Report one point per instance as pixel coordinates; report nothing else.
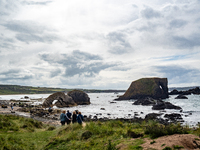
(104, 44)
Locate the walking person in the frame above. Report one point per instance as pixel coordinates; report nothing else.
(68, 116)
(79, 118)
(63, 118)
(11, 106)
(74, 116)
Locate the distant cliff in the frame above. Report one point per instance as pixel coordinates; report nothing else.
(17, 89)
(156, 88)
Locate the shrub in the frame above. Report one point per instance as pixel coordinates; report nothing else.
(133, 134)
(86, 135)
(178, 147)
(115, 123)
(30, 123)
(101, 130)
(51, 128)
(111, 146)
(153, 142)
(167, 148)
(157, 130)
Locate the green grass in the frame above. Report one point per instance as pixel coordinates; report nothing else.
(24, 133)
(178, 147)
(167, 148)
(155, 130)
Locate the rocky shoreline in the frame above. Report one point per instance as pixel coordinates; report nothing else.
(52, 116)
(38, 112)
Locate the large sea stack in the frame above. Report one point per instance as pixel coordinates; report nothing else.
(156, 88)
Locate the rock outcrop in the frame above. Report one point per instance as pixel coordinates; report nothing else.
(160, 105)
(62, 100)
(152, 116)
(79, 97)
(181, 97)
(156, 88)
(157, 104)
(173, 116)
(145, 102)
(188, 92)
(73, 98)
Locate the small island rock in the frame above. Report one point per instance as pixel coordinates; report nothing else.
(147, 87)
(79, 97)
(181, 97)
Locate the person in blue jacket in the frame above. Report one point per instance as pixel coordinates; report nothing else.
(68, 115)
(79, 118)
(63, 118)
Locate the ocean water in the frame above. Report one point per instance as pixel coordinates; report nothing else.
(101, 107)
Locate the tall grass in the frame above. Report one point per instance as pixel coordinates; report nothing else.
(24, 133)
(155, 130)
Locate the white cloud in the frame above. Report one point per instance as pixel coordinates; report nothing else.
(98, 44)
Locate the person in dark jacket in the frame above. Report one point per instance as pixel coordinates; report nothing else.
(63, 118)
(74, 116)
(79, 118)
(68, 116)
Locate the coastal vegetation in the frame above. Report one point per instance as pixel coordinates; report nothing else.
(25, 133)
(17, 89)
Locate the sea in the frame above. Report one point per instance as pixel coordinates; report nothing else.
(103, 105)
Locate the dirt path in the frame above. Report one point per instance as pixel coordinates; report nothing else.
(186, 141)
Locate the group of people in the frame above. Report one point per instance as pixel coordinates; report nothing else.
(69, 117)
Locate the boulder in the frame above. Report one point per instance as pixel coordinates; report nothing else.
(171, 106)
(4, 106)
(79, 97)
(156, 88)
(181, 97)
(152, 116)
(195, 90)
(160, 105)
(145, 101)
(174, 92)
(173, 116)
(62, 100)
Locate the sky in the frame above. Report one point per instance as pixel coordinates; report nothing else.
(104, 44)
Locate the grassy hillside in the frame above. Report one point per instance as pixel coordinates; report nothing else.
(17, 89)
(22, 133)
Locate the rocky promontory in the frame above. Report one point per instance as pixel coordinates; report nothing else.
(156, 88)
